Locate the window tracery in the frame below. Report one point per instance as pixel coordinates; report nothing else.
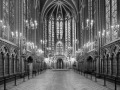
(107, 20)
(114, 20)
(59, 27)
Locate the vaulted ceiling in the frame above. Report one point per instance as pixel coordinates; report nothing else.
(55, 7)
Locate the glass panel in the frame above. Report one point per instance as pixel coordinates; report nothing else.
(114, 20)
(50, 34)
(11, 19)
(59, 27)
(66, 36)
(6, 19)
(69, 33)
(107, 21)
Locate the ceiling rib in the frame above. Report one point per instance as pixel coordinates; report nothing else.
(63, 6)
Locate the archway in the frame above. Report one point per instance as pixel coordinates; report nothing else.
(30, 65)
(60, 64)
(89, 64)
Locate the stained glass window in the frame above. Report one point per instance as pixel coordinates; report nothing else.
(73, 34)
(6, 11)
(45, 34)
(12, 14)
(59, 27)
(111, 16)
(69, 33)
(59, 48)
(107, 20)
(24, 17)
(6, 19)
(66, 36)
(89, 14)
(114, 20)
(91, 11)
(95, 18)
(50, 34)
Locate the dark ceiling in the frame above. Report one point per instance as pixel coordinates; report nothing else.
(42, 2)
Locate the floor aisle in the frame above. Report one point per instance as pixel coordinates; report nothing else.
(59, 80)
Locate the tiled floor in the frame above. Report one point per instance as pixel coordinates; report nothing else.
(60, 80)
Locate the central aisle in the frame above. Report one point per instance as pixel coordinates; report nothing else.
(59, 80)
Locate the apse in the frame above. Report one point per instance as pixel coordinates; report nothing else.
(59, 29)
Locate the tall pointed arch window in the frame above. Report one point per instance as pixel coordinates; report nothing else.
(107, 20)
(115, 27)
(6, 19)
(51, 34)
(112, 27)
(73, 34)
(52, 21)
(12, 14)
(6, 11)
(69, 32)
(45, 33)
(66, 35)
(59, 28)
(25, 17)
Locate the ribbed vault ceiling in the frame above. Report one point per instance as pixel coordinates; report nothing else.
(56, 7)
